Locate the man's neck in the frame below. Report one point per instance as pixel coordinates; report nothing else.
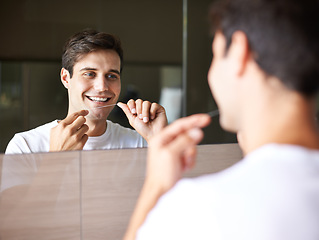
(289, 120)
(96, 127)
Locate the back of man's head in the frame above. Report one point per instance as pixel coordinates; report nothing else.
(283, 36)
(82, 43)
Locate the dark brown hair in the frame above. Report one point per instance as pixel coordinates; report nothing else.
(282, 34)
(85, 42)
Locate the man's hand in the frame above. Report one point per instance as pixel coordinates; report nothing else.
(70, 134)
(173, 151)
(145, 117)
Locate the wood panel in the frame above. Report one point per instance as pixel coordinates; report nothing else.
(41, 199)
(84, 194)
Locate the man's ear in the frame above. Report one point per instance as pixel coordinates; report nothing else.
(65, 77)
(240, 52)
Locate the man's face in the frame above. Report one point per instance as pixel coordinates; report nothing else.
(222, 83)
(95, 83)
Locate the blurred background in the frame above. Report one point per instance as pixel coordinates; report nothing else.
(167, 54)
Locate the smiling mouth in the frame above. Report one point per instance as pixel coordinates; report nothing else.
(98, 99)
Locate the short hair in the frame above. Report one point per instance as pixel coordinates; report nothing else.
(86, 41)
(282, 34)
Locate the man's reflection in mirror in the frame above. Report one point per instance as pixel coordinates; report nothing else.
(91, 73)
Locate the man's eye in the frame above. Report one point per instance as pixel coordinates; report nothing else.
(89, 74)
(112, 76)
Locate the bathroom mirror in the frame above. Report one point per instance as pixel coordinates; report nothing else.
(166, 58)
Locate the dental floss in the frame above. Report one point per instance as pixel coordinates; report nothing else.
(106, 106)
(213, 113)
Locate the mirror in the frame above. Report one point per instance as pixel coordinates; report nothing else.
(31, 93)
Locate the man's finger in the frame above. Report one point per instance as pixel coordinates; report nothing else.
(132, 106)
(181, 126)
(146, 111)
(71, 118)
(77, 124)
(189, 157)
(138, 104)
(80, 144)
(186, 140)
(153, 111)
(82, 130)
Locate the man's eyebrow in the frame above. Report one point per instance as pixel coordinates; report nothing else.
(115, 71)
(95, 69)
(88, 68)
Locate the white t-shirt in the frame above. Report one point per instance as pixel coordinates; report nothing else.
(38, 139)
(272, 194)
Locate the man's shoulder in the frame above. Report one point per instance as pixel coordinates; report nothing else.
(34, 140)
(276, 154)
(40, 130)
(273, 162)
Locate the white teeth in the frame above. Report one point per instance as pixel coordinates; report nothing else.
(98, 99)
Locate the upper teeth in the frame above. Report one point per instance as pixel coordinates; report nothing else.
(98, 99)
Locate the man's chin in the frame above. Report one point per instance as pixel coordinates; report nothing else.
(227, 125)
(97, 116)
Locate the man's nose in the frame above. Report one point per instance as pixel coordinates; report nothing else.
(101, 84)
